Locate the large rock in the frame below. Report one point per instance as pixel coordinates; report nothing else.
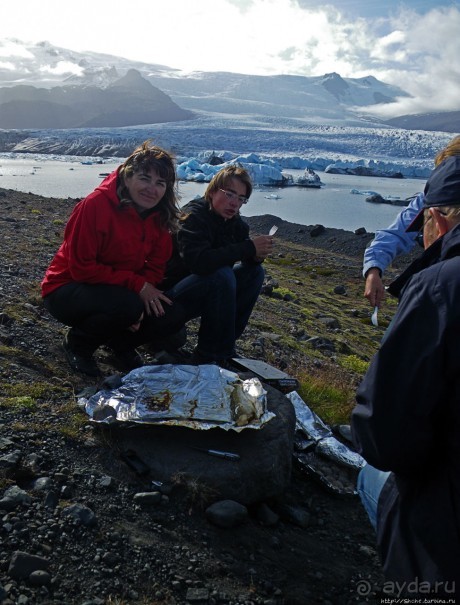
(263, 470)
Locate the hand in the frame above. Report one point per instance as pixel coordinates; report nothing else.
(263, 244)
(374, 290)
(153, 299)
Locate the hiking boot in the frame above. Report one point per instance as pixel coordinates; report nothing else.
(178, 357)
(226, 364)
(198, 358)
(79, 361)
(128, 360)
(170, 344)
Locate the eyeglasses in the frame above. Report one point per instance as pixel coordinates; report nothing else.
(426, 219)
(232, 196)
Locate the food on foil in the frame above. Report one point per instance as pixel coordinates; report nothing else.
(201, 397)
(159, 402)
(245, 404)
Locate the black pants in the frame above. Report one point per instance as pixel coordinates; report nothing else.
(101, 314)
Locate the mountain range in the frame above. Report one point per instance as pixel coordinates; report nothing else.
(128, 101)
(44, 86)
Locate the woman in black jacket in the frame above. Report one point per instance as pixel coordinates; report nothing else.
(216, 270)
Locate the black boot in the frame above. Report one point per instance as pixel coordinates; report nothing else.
(79, 350)
(127, 360)
(170, 344)
(123, 346)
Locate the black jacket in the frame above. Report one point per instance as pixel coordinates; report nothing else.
(206, 242)
(407, 420)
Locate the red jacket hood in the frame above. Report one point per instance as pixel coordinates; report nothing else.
(109, 187)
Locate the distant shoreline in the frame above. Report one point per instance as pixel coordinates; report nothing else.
(332, 239)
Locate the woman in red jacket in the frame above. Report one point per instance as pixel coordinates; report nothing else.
(103, 280)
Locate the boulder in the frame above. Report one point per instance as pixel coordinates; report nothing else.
(23, 564)
(263, 470)
(317, 230)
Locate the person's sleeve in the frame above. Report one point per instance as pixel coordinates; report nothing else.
(195, 243)
(83, 237)
(401, 396)
(391, 242)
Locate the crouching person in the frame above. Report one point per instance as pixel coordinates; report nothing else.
(103, 281)
(407, 420)
(216, 271)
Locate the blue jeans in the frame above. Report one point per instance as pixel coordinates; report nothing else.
(370, 485)
(224, 300)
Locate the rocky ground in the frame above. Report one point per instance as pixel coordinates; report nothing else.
(74, 529)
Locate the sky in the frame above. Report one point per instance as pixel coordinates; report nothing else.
(414, 44)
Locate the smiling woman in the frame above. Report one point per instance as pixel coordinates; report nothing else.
(145, 189)
(103, 281)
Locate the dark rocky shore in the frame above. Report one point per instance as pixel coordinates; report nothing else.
(75, 530)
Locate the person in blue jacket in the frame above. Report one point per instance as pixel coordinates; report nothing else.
(406, 423)
(385, 247)
(395, 240)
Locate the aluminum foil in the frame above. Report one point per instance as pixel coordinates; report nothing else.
(198, 397)
(332, 448)
(328, 455)
(306, 420)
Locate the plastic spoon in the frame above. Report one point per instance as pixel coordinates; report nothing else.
(374, 319)
(273, 230)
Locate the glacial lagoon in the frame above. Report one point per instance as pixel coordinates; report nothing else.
(332, 206)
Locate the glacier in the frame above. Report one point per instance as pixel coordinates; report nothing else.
(273, 145)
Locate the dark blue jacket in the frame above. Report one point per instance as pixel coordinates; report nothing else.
(407, 420)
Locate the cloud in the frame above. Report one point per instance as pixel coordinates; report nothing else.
(13, 49)
(7, 65)
(421, 56)
(417, 50)
(63, 67)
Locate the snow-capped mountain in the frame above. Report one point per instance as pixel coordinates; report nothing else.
(274, 116)
(128, 101)
(329, 98)
(45, 65)
(446, 121)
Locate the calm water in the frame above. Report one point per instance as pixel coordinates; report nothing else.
(333, 205)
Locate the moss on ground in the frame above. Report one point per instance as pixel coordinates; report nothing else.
(328, 379)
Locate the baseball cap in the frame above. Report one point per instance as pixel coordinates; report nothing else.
(441, 189)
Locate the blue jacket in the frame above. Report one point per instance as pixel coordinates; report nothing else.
(391, 242)
(407, 420)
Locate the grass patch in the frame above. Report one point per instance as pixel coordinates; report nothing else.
(353, 363)
(282, 261)
(329, 394)
(36, 391)
(263, 326)
(73, 421)
(27, 359)
(19, 403)
(325, 272)
(43, 241)
(283, 292)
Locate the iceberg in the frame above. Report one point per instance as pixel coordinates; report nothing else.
(261, 172)
(269, 171)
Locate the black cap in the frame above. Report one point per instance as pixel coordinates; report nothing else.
(441, 189)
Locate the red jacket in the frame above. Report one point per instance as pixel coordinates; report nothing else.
(105, 243)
